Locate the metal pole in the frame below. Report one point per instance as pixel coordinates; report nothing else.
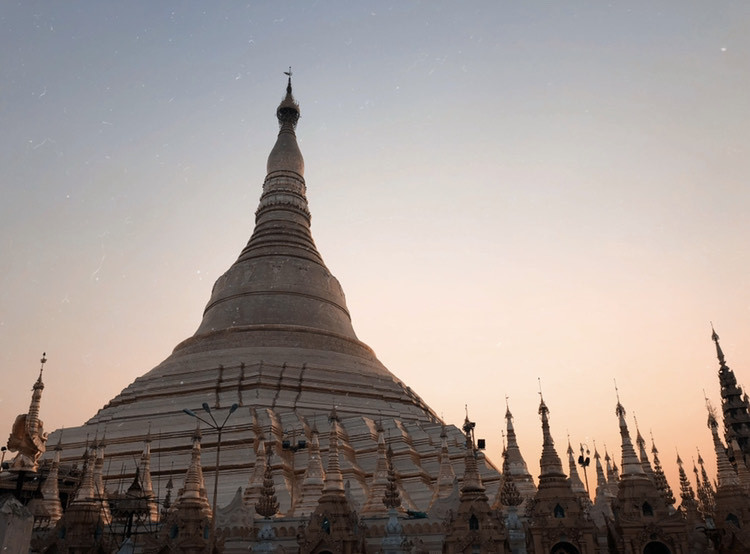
(216, 486)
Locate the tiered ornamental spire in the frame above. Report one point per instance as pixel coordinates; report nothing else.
(267, 506)
(550, 464)
(374, 504)
(631, 465)
(514, 463)
(688, 505)
(313, 479)
(734, 404)
(642, 454)
(27, 436)
(660, 480)
(705, 490)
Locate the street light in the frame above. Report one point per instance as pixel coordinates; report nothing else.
(218, 428)
(584, 462)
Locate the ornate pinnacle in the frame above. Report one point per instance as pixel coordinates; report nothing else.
(509, 495)
(719, 352)
(267, 504)
(391, 499)
(288, 110)
(39, 384)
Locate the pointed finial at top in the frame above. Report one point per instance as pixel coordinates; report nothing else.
(39, 384)
(712, 423)
(289, 81)
(719, 351)
(543, 410)
(619, 409)
(288, 111)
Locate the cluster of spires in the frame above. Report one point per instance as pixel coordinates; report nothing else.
(517, 486)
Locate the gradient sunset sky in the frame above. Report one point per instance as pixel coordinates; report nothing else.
(507, 192)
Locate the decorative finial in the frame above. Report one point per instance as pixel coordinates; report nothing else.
(39, 384)
(289, 82)
(719, 351)
(619, 409)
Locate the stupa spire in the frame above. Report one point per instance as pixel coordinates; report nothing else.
(705, 490)
(631, 465)
(147, 486)
(513, 462)
(446, 474)
(604, 494)
(374, 504)
(279, 283)
(27, 436)
(642, 454)
(689, 504)
(334, 480)
(267, 505)
(472, 482)
(550, 464)
(734, 404)
(725, 474)
(50, 489)
(99, 489)
(391, 497)
(314, 477)
(194, 490)
(660, 480)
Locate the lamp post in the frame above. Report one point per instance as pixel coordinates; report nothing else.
(584, 462)
(218, 428)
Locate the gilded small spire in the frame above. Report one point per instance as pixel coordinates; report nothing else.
(513, 461)
(659, 478)
(446, 474)
(642, 454)
(725, 474)
(334, 480)
(689, 505)
(27, 435)
(194, 489)
(631, 465)
(472, 480)
(705, 491)
(378, 488)
(550, 463)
